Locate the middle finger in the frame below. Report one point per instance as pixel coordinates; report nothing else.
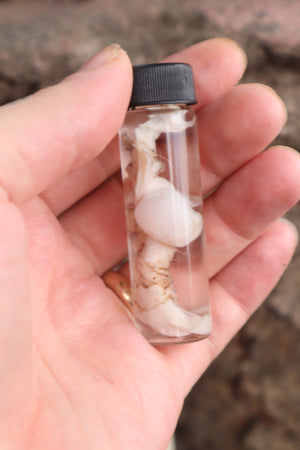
(232, 130)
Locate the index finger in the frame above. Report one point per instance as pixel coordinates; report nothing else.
(218, 64)
(60, 128)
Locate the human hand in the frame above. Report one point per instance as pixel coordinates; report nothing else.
(75, 373)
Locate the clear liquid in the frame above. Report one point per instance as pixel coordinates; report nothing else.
(169, 284)
(186, 273)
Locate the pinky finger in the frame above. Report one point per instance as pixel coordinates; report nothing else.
(236, 291)
(249, 279)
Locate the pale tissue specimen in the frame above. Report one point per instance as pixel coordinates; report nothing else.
(158, 207)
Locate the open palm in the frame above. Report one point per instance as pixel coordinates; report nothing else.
(75, 373)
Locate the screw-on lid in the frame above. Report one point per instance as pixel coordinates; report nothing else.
(156, 84)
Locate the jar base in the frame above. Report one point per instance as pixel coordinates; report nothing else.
(155, 339)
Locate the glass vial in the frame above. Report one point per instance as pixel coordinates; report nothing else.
(163, 204)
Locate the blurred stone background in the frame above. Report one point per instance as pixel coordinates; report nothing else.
(250, 397)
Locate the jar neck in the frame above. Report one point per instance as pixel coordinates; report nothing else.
(168, 106)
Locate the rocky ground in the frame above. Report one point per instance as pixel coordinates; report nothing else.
(250, 397)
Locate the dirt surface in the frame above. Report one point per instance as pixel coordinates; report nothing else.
(250, 397)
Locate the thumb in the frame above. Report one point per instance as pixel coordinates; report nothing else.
(60, 128)
(15, 317)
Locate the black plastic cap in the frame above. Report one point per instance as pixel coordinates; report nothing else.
(157, 84)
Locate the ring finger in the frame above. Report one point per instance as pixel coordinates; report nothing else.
(235, 214)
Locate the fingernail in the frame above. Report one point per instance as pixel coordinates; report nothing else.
(237, 46)
(104, 56)
(291, 225)
(280, 102)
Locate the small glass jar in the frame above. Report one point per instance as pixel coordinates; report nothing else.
(164, 209)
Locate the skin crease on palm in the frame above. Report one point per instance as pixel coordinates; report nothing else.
(75, 373)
